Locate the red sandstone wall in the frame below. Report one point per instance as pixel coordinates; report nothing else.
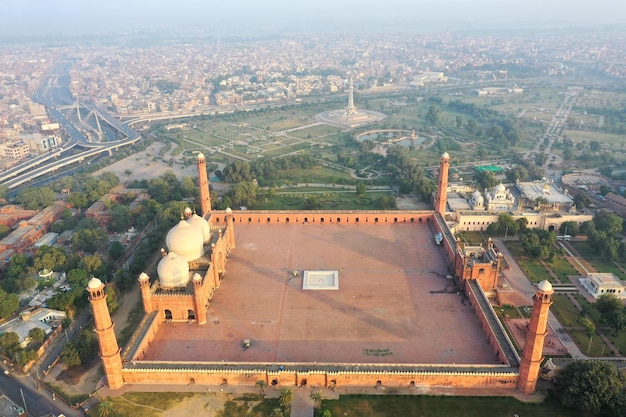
(486, 328)
(326, 217)
(458, 379)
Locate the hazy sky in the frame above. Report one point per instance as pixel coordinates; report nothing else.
(51, 17)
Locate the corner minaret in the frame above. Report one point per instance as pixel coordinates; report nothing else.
(351, 109)
(442, 189)
(109, 350)
(537, 330)
(205, 195)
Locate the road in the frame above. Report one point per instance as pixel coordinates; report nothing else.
(38, 403)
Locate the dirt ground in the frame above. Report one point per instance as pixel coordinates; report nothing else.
(142, 165)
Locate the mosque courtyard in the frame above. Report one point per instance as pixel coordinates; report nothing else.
(393, 302)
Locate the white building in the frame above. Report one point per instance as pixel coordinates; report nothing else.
(598, 284)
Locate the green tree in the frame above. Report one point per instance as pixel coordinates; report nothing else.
(613, 312)
(9, 342)
(37, 335)
(485, 179)
(582, 200)
(116, 250)
(89, 240)
(91, 263)
(9, 303)
(36, 198)
(569, 228)
(607, 222)
(285, 398)
(120, 218)
(105, 408)
(589, 386)
(78, 200)
(50, 258)
(433, 115)
(317, 397)
(360, 189)
(70, 355)
(25, 355)
(260, 384)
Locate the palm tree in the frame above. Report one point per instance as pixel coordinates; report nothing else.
(317, 397)
(260, 384)
(285, 399)
(277, 412)
(105, 408)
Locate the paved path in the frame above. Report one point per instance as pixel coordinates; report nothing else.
(302, 405)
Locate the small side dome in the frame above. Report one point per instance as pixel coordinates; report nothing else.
(173, 271)
(196, 277)
(500, 188)
(94, 283)
(187, 241)
(199, 223)
(200, 155)
(445, 155)
(229, 210)
(143, 276)
(476, 194)
(544, 286)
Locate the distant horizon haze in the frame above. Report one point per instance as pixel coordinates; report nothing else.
(32, 18)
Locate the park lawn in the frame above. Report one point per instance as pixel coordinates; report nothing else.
(472, 238)
(597, 347)
(562, 269)
(146, 404)
(515, 247)
(618, 341)
(295, 147)
(318, 174)
(565, 310)
(316, 132)
(289, 124)
(437, 406)
(605, 139)
(334, 201)
(534, 270)
(603, 265)
(508, 310)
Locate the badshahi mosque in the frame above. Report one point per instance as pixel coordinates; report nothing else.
(321, 298)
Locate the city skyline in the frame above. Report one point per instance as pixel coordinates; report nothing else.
(71, 17)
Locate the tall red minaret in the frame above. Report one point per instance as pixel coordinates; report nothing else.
(537, 330)
(442, 189)
(205, 195)
(109, 350)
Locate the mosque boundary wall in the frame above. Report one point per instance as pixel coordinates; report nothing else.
(324, 216)
(497, 336)
(325, 375)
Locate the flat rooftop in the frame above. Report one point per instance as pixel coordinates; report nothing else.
(394, 303)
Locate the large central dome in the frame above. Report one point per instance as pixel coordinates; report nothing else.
(186, 240)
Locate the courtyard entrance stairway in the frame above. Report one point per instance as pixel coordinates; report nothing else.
(302, 405)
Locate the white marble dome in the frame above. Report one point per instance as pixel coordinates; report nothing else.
(173, 271)
(544, 286)
(94, 283)
(500, 188)
(199, 223)
(186, 240)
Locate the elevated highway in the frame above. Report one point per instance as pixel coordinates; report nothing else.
(55, 95)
